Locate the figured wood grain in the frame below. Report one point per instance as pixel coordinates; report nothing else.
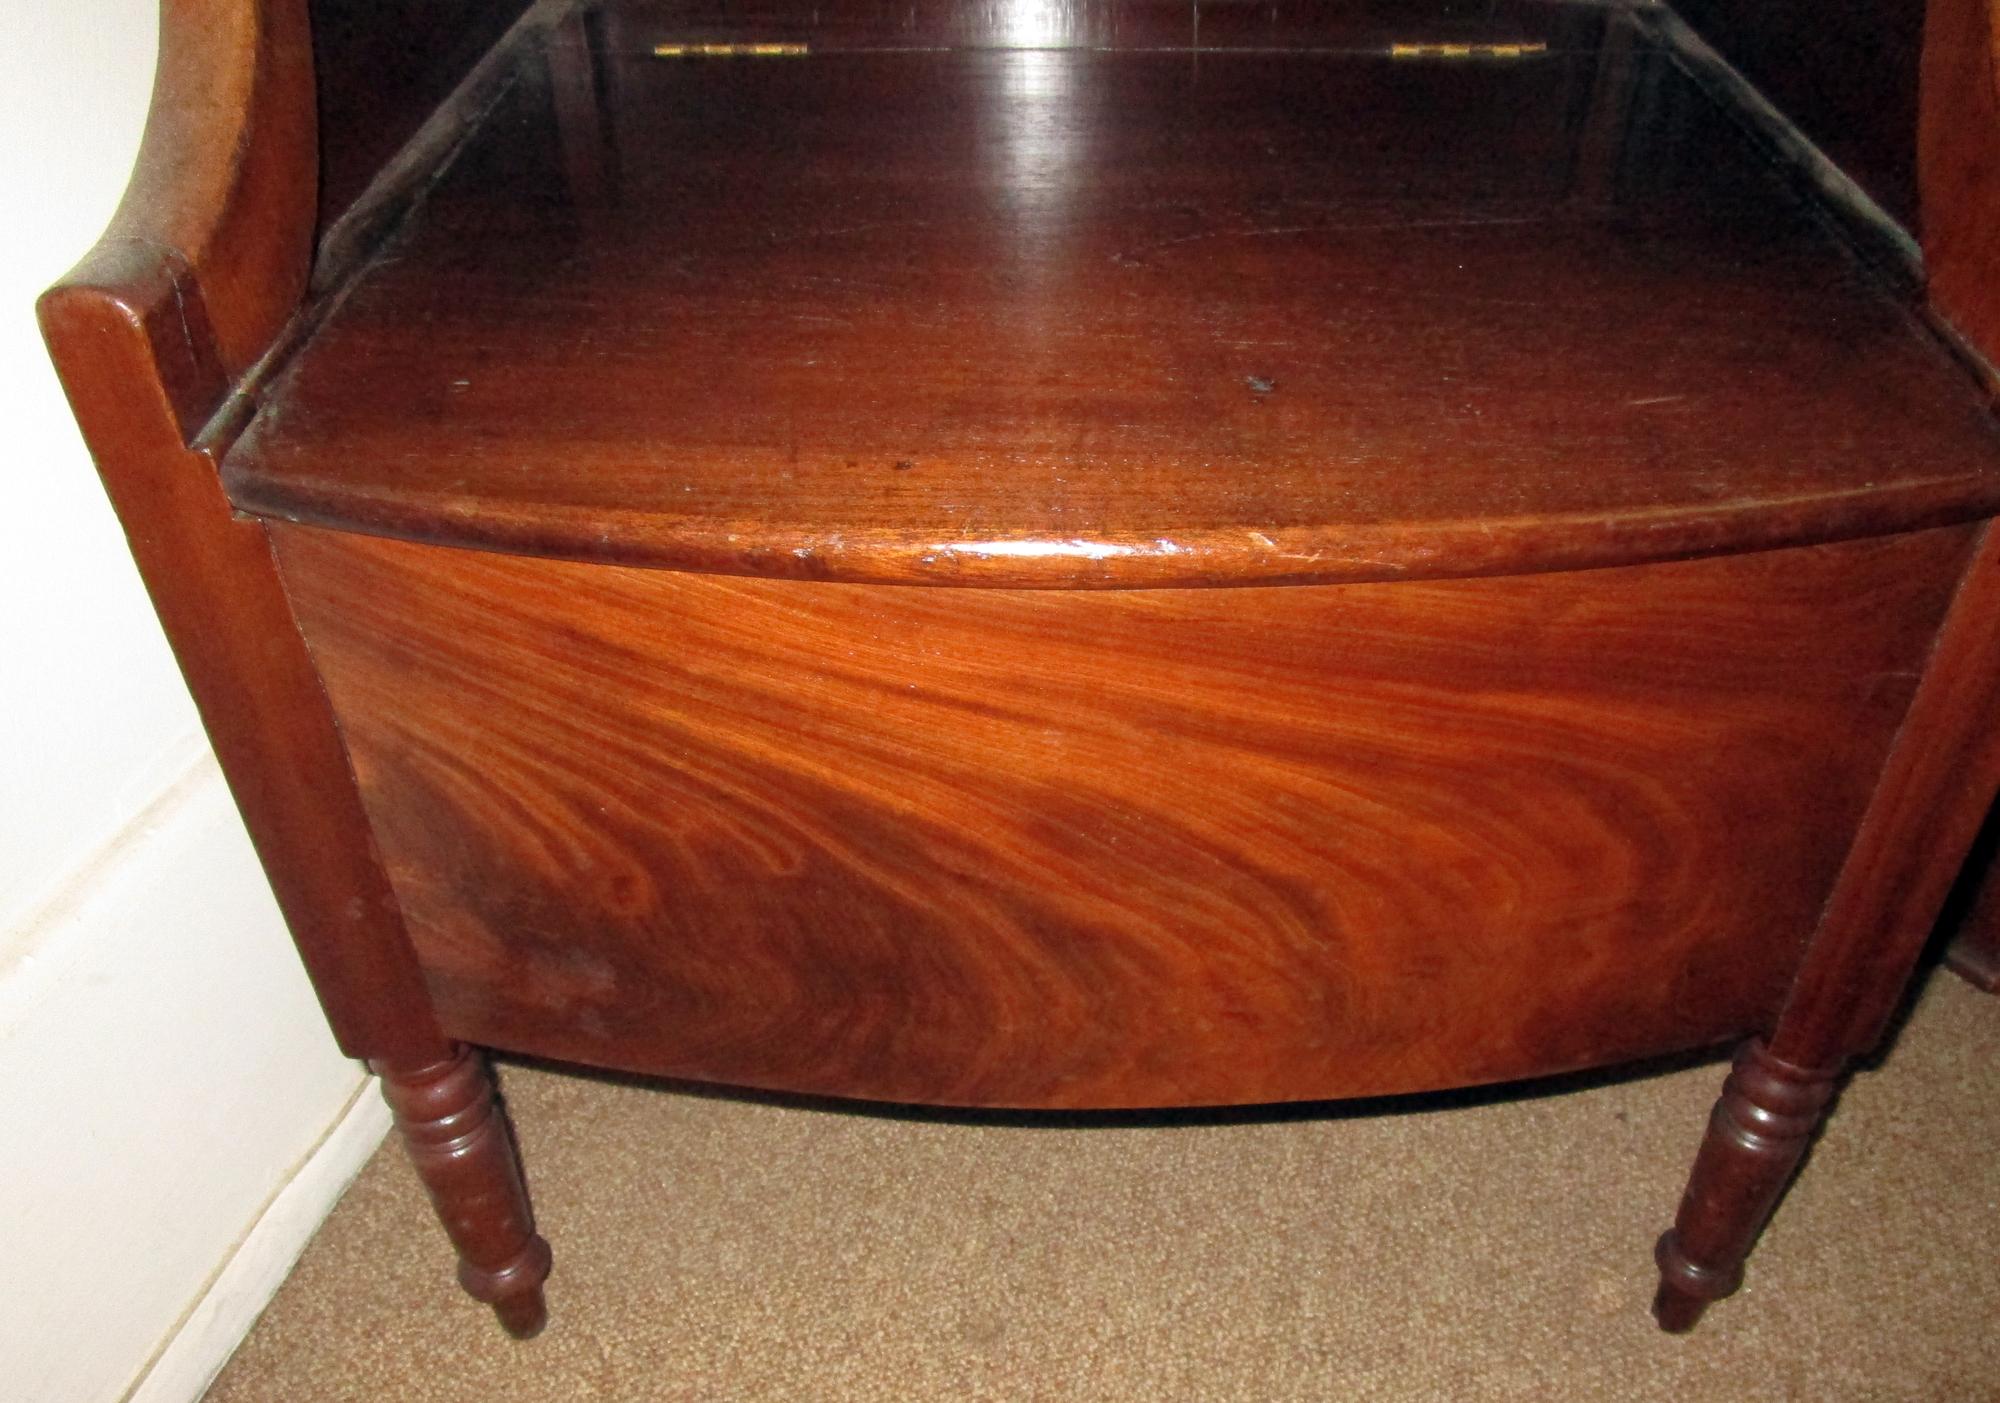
(1129, 316)
(1095, 849)
(1097, 293)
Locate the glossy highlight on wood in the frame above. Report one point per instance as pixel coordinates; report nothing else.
(1934, 791)
(1126, 849)
(1616, 654)
(1936, 787)
(1122, 316)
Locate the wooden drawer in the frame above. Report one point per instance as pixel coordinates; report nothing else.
(1113, 848)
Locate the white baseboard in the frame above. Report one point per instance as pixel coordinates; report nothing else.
(217, 1323)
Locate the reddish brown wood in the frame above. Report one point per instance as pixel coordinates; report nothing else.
(1933, 794)
(1110, 294)
(223, 186)
(195, 274)
(1092, 849)
(848, 25)
(1075, 317)
(1959, 162)
(1935, 789)
(1760, 1129)
(458, 1138)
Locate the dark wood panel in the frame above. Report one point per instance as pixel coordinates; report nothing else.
(1846, 73)
(1144, 848)
(1961, 167)
(1097, 24)
(1084, 317)
(382, 68)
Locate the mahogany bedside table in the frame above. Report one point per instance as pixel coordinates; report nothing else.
(1089, 554)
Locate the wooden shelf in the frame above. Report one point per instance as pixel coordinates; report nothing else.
(1088, 295)
(1073, 295)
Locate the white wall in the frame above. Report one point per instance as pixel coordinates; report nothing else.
(164, 1071)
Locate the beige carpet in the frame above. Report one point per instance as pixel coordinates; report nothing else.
(718, 1249)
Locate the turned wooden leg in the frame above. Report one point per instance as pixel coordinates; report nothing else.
(1759, 1130)
(1935, 790)
(457, 1136)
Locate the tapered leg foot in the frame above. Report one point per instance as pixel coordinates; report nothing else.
(458, 1139)
(1760, 1129)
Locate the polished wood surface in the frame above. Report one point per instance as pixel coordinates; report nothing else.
(1088, 849)
(458, 1138)
(1105, 293)
(194, 277)
(1930, 800)
(1179, 26)
(1934, 792)
(1069, 317)
(1767, 1114)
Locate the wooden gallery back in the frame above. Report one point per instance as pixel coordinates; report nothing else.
(1077, 553)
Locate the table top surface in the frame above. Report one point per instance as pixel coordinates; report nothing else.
(1117, 294)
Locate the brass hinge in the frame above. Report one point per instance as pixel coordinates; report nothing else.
(1524, 49)
(730, 50)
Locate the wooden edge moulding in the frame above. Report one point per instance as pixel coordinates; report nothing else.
(1055, 848)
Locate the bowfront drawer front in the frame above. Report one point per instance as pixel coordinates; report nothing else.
(1123, 555)
(1154, 847)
